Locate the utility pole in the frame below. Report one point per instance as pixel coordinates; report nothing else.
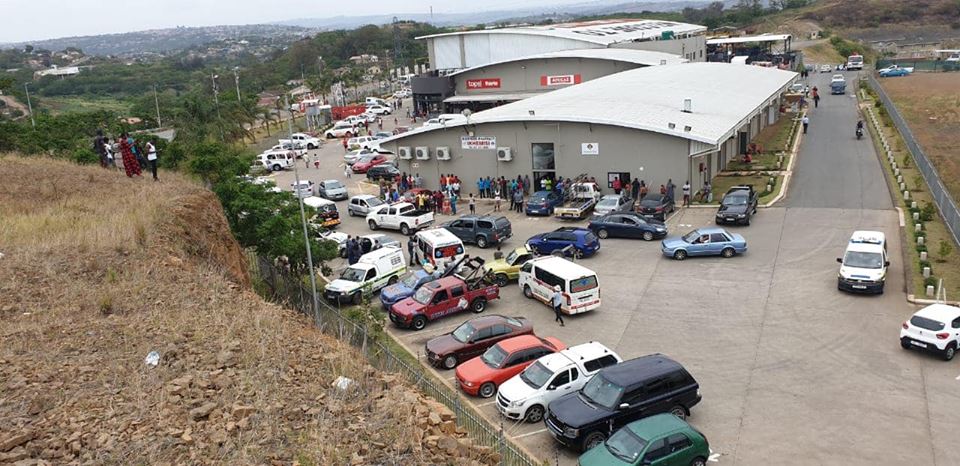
(303, 220)
(216, 102)
(156, 102)
(236, 80)
(29, 105)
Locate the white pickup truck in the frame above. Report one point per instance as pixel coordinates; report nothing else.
(401, 216)
(527, 394)
(303, 140)
(580, 200)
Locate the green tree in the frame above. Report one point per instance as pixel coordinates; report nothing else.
(216, 162)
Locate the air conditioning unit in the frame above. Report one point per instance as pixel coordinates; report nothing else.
(443, 153)
(422, 153)
(405, 153)
(504, 154)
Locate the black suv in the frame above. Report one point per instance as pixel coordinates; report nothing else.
(620, 394)
(482, 230)
(384, 171)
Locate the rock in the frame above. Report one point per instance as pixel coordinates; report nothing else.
(202, 412)
(187, 438)
(10, 443)
(14, 455)
(434, 419)
(242, 411)
(231, 426)
(448, 444)
(449, 428)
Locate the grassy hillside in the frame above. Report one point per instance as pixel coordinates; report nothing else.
(98, 270)
(874, 13)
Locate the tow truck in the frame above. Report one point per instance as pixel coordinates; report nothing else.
(470, 289)
(578, 199)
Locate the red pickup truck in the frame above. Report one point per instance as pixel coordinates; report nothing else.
(448, 295)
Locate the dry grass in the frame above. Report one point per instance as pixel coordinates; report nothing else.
(99, 270)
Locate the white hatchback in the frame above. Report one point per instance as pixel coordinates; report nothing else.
(935, 328)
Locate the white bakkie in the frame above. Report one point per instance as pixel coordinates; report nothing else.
(863, 267)
(526, 395)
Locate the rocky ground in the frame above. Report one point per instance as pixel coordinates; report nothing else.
(97, 271)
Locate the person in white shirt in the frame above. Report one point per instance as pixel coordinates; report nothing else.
(152, 159)
(557, 300)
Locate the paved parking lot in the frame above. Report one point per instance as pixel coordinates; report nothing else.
(792, 371)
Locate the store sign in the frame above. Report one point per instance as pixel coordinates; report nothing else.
(560, 80)
(478, 142)
(485, 83)
(590, 148)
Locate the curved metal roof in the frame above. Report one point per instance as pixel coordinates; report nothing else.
(600, 32)
(638, 57)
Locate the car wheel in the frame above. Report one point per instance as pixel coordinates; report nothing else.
(372, 224)
(487, 390)
(950, 352)
(698, 461)
(679, 412)
(419, 322)
(276, 168)
(603, 233)
(479, 305)
(727, 252)
(392, 280)
(904, 343)
(591, 440)
(311, 147)
(680, 255)
(577, 254)
(648, 236)
(449, 362)
(527, 291)
(534, 414)
(747, 221)
(501, 280)
(557, 253)
(350, 213)
(356, 298)
(482, 242)
(404, 229)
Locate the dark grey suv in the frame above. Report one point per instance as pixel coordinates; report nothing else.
(481, 230)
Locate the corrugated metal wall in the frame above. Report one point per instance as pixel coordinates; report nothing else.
(447, 50)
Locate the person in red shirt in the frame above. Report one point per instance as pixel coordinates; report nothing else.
(616, 185)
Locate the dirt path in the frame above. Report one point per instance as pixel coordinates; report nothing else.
(12, 102)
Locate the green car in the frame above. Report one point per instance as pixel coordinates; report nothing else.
(661, 440)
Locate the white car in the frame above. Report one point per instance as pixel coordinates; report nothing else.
(304, 189)
(826, 68)
(935, 328)
(276, 160)
(527, 395)
(351, 157)
(379, 110)
(296, 148)
(303, 140)
(343, 129)
(362, 142)
(863, 267)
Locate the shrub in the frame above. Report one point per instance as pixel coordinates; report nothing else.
(906, 160)
(85, 156)
(943, 250)
(921, 248)
(925, 264)
(917, 182)
(928, 211)
(930, 281)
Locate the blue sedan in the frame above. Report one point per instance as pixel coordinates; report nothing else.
(543, 202)
(894, 70)
(404, 288)
(704, 242)
(584, 243)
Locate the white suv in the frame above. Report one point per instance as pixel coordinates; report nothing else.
(935, 328)
(378, 109)
(863, 267)
(341, 129)
(526, 395)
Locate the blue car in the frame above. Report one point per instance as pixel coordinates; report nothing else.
(404, 288)
(584, 242)
(543, 202)
(704, 242)
(894, 70)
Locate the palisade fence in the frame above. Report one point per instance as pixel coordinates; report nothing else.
(945, 203)
(287, 288)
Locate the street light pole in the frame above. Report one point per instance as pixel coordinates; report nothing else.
(29, 105)
(216, 102)
(156, 102)
(236, 79)
(303, 219)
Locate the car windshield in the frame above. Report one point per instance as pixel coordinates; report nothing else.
(601, 391)
(463, 332)
(410, 279)
(927, 324)
(537, 375)
(735, 199)
(374, 201)
(650, 201)
(494, 357)
(423, 295)
(512, 257)
(332, 185)
(689, 237)
(365, 159)
(626, 445)
(327, 208)
(863, 260)
(607, 203)
(353, 274)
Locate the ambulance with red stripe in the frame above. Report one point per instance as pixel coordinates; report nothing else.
(578, 284)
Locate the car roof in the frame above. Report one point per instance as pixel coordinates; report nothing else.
(579, 230)
(939, 312)
(331, 181)
(488, 320)
(364, 196)
(658, 425)
(712, 230)
(613, 197)
(582, 352)
(517, 343)
(563, 267)
(481, 217)
(628, 373)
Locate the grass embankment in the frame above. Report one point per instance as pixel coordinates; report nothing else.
(98, 270)
(66, 104)
(933, 229)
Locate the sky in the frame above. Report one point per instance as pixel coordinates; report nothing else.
(26, 20)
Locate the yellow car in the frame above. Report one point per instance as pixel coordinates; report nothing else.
(508, 268)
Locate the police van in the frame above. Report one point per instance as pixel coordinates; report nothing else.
(436, 247)
(578, 285)
(375, 270)
(863, 267)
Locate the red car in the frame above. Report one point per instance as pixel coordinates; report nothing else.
(481, 376)
(473, 337)
(364, 163)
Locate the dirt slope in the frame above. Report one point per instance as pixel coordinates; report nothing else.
(99, 270)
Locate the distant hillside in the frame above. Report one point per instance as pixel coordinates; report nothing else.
(167, 40)
(876, 13)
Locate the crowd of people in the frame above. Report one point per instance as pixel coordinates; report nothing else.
(136, 155)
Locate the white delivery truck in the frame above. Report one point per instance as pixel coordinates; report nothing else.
(375, 270)
(526, 395)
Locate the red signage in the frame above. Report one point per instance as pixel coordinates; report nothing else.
(485, 83)
(560, 80)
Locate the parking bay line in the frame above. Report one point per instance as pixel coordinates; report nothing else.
(530, 433)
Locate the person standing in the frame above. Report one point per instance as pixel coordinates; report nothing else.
(643, 189)
(345, 148)
(108, 150)
(635, 191)
(526, 185)
(686, 193)
(410, 248)
(99, 144)
(816, 97)
(671, 189)
(617, 185)
(152, 159)
(480, 186)
(472, 204)
(496, 199)
(518, 200)
(806, 122)
(454, 197)
(130, 165)
(557, 300)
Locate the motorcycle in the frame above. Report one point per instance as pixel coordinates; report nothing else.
(859, 133)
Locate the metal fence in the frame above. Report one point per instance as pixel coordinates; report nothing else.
(287, 288)
(918, 64)
(946, 204)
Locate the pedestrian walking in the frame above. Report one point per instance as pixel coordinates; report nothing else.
(130, 165)
(472, 204)
(806, 122)
(316, 162)
(816, 98)
(345, 149)
(686, 193)
(152, 159)
(557, 301)
(671, 189)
